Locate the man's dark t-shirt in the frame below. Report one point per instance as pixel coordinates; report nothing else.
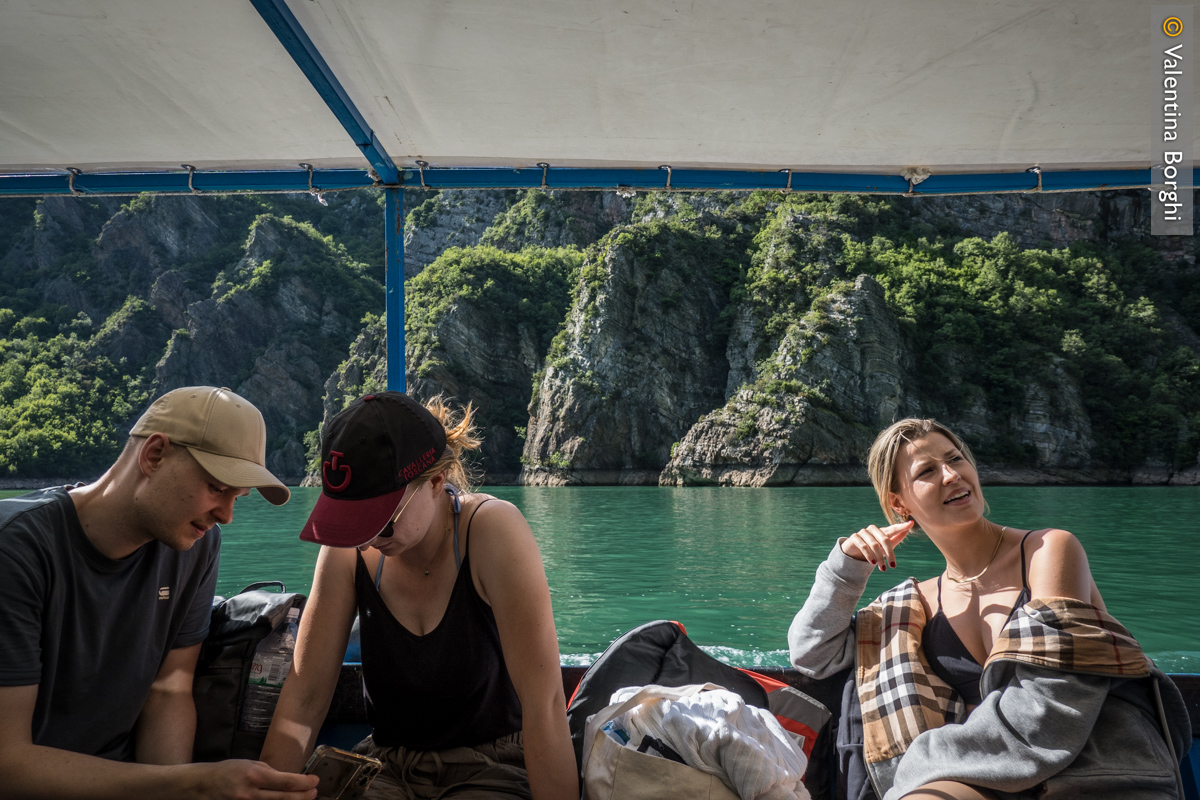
(92, 632)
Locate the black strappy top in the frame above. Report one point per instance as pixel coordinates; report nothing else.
(448, 688)
(949, 658)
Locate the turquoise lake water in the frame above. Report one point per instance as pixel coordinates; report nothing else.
(734, 565)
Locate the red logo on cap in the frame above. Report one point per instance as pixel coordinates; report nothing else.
(336, 467)
(423, 462)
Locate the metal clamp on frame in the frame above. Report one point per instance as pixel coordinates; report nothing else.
(667, 167)
(421, 165)
(545, 168)
(314, 192)
(788, 170)
(71, 173)
(1037, 171)
(191, 174)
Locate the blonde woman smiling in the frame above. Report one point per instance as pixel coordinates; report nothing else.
(1004, 676)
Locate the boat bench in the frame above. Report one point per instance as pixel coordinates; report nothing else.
(346, 723)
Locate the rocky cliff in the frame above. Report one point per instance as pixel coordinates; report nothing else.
(819, 356)
(721, 338)
(448, 218)
(126, 300)
(814, 404)
(276, 323)
(641, 355)
(483, 309)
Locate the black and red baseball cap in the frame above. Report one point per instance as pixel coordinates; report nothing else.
(370, 452)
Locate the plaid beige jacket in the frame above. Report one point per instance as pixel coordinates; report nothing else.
(901, 696)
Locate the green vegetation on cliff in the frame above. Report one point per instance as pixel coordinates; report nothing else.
(69, 383)
(995, 316)
(58, 407)
(530, 287)
(86, 314)
(988, 316)
(507, 306)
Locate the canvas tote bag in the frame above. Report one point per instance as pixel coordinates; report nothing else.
(613, 772)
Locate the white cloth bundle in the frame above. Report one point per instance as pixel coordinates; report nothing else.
(716, 732)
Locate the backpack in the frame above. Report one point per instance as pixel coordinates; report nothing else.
(219, 688)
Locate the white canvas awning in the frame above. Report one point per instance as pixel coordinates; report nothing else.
(952, 86)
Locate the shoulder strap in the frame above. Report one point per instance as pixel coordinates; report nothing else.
(456, 507)
(378, 570)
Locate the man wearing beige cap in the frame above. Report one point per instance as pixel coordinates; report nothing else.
(105, 596)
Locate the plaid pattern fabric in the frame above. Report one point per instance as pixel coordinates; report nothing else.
(1064, 634)
(900, 695)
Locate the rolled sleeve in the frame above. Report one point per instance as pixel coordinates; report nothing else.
(821, 637)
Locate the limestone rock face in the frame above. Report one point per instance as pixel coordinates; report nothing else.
(364, 371)
(1051, 424)
(133, 335)
(813, 410)
(1055, 422)
(1041, 220)
(63, 225)
(479, 349)
(477, 359)
(558, 219)
(449, 218)
(170, 296)
(136, 246)
(641, 357)
(834, 381)
(1032, 220)
(239, 332)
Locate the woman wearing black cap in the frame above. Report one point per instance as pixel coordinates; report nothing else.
(459, 652)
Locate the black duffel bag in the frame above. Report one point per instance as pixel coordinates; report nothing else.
(238, 625)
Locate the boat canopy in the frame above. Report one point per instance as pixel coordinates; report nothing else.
(913, 97)
(833, 94)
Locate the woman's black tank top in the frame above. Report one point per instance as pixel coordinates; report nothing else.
(448, 688)
(949, 658)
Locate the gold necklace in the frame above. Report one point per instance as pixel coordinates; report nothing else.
(999, 539)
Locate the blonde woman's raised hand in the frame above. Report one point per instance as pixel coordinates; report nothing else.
(877, 545)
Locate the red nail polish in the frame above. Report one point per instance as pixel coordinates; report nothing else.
(893, 565)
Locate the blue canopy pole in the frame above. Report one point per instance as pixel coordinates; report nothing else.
(393, 247)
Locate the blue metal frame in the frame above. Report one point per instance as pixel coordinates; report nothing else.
(568, 178)
(393, 243)
(774, 180)
(177, 182)
(299, 46)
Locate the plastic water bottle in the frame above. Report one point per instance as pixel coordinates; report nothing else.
(272, 660)
(616, 731)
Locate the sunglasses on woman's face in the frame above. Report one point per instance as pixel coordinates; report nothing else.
(387, 529)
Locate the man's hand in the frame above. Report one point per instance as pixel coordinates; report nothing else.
(33, 772)
(252, 780)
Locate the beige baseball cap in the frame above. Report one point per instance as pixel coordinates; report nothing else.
(225, 433)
